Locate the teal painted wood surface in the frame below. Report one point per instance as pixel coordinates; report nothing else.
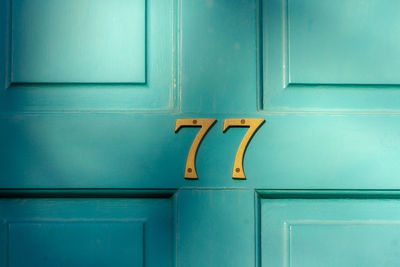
(98, 144)
(330, 56)
(75, 243)
(330, 232)
(313, 151)
(78, 41)
(115, 81)
(218, 56)
(86, 232)
(336, 42)
(216, 228)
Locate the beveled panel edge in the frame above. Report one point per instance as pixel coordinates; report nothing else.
(296, 85)
(277, 96)
(173, 104)
(286, 62)
(259, 55)
(87, 193)
(328, 194)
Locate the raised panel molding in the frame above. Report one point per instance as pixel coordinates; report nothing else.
(343, 42)
(330, 56)
(329, 228)
(340, 243)
(47, 66)
(87, 229)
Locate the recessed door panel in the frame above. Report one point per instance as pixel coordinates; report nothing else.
(73, 56)
(330, 232)
(343, 42)
(86, 232)
(78, 41)
(338, 55)
(75, 243)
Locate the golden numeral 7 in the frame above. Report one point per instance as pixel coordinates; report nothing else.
(253, 124)
(205, 124)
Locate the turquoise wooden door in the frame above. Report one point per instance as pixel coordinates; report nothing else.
(92, 172)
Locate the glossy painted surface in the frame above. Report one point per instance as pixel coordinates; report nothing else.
(218, 56)
(330, 232)
(313, 151)
(113, 82)
(103, 243)
(99, 151)
(78, 41)
(330, 56)
(335, 42)
(86, 232)
(216, 228)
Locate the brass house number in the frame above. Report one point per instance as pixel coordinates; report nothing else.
(205, 125)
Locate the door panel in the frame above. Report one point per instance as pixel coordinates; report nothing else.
(330, 232)
(330, 55)
(58, 243)
(86, 232)
(87, 56)
(342, 42)
(78, 41)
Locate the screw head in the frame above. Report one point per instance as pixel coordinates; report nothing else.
(189, 170)
(237, 170)
(194, 121)
(242, 121)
